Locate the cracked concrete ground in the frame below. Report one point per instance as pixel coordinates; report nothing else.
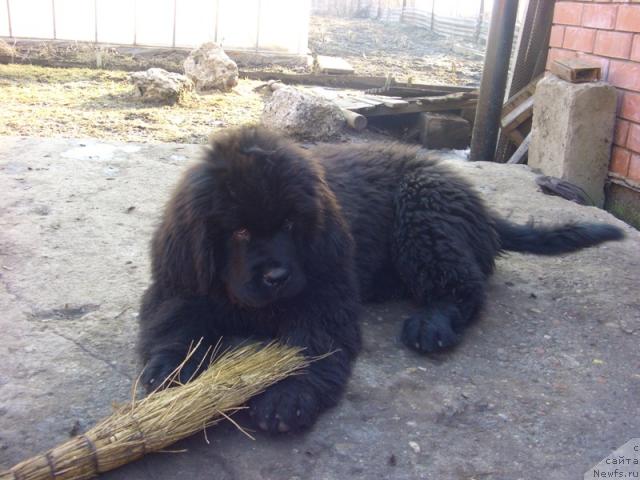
(544, 386)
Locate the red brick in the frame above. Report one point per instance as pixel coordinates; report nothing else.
(620, 161)
(635, 49)
(581, 39)
(634, 167)
(599, 16)
(601, 61)
(557, 35)
(567, 13)
(630, 107)
(633, 139)
(613, 44)
(622, 130)
(625, 75)
(628, 18)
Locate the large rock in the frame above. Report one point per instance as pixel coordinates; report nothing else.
(572, 132)
(7, 52)
(158, 85)
(211, 69)
(302, 114)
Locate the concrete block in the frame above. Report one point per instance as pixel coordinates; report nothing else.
(441, 130)
(572, 132)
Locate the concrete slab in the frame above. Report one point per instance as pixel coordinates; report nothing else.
(544, 386)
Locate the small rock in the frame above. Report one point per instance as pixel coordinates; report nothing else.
(158, 85)
(302, 114)
(210, 68)
(414, 446)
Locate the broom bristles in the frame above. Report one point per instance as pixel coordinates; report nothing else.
(167, 415)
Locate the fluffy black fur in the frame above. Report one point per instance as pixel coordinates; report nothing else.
(265, 240)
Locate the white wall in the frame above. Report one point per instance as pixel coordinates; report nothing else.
(271, 25)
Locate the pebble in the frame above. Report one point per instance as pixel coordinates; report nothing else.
(414, 446)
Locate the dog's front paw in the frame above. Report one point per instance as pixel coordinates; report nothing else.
(162, 366)
(290, 405)
(426, 333)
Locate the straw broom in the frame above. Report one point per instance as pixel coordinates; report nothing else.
(165, 416)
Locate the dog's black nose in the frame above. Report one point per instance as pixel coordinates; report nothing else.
(275, 277)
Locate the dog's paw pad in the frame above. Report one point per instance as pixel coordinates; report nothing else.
(427, 334)
(286, 406)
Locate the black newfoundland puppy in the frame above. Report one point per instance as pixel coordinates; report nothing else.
(265, 240)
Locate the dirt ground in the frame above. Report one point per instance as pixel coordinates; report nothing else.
(76, 102)
(543, 387)
(403, 51)
(79, 102)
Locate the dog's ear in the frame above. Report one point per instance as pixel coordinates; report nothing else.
(333, 245)
(183, 247)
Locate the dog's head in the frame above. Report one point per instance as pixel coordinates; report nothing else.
(273, 196)
(257, 207)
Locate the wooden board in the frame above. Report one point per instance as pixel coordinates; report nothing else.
(352, 81)
(517, 116)
(333, 65)
(520, 96)
(377, 105)
(576, 70)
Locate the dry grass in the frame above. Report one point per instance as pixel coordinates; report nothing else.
(165, 416)
(78, 102)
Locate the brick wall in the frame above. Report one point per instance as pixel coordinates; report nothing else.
(609, 34)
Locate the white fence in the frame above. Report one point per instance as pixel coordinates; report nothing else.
(264, 25)
(473, 29)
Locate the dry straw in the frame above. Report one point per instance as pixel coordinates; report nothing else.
(165, 416)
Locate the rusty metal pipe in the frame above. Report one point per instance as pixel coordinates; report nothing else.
(494, 80)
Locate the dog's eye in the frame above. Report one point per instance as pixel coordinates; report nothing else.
(242, 235)
(288, 225)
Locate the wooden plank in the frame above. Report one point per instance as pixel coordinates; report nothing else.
(576, 70)
(374, 102)
(452, 97)
(394, 103)
(348, 81)
(408, 91)
(522, 150)
(333, 65)
(517, 116)
(516, 137)
(416, 108)
(520, 96)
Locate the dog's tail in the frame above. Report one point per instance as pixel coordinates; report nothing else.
(553, 240)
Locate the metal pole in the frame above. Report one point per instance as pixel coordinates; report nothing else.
(433, 14)
(258, 25)
(9, 19)
(95, 19)
(53, 14)
(173, 42)
(135, 22)
(215, 38)
(479, 22)
(494, 80)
